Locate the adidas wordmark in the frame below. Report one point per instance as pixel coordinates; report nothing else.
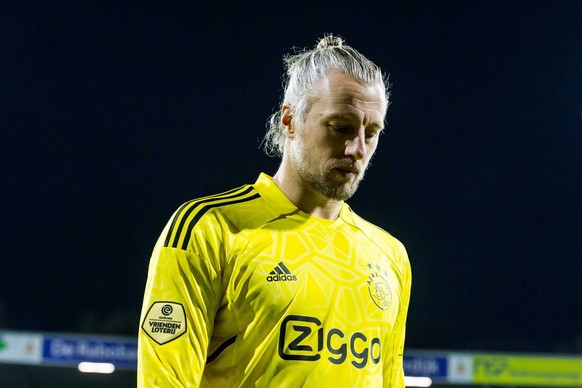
(281, 274)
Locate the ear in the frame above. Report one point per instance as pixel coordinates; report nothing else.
(287, 121)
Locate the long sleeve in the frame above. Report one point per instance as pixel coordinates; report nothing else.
(182, 295)
(395, 379)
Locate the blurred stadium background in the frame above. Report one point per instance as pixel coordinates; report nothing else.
(105, 114)
(30, 360)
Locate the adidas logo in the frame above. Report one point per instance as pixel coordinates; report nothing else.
(281, 274)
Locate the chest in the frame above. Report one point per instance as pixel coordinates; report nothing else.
(338, 277)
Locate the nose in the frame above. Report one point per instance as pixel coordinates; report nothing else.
(356, 146)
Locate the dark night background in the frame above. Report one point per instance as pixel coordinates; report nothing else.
(113, 113)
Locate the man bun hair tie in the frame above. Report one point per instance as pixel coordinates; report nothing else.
(330, 40)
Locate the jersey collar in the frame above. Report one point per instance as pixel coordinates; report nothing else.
(271, 193)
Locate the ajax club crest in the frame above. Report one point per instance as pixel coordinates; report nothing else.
(378, 288)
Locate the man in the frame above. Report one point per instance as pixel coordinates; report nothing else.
(280, 283)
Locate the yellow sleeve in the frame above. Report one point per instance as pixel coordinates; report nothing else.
(395, 366)
(182, 295)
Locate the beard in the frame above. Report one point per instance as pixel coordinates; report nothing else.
(329, 183)
(325, 185)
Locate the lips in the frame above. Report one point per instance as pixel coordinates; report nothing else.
(348, 169)
(348, 172)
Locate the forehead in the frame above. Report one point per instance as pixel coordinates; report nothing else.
(340, 93)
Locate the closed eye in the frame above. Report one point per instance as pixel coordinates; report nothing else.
(341, 128)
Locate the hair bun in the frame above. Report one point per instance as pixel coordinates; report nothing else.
(330, 41)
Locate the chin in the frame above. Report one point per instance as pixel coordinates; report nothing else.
(343, 193)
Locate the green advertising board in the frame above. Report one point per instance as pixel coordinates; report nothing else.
(543, 371)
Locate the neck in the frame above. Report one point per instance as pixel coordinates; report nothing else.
(305, 198)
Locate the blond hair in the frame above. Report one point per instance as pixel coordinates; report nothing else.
(304, 73)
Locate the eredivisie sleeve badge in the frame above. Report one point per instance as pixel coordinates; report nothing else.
(164, 322)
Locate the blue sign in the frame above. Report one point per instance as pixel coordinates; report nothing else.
(431, 366)
(70, 351)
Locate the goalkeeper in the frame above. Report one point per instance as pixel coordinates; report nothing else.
(280, 283)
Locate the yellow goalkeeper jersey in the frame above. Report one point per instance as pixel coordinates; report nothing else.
(246, 290)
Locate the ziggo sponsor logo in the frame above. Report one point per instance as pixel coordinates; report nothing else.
(303, 338)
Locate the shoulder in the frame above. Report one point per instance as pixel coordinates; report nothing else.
(210, 213)
(372, 230)
(380, 237)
